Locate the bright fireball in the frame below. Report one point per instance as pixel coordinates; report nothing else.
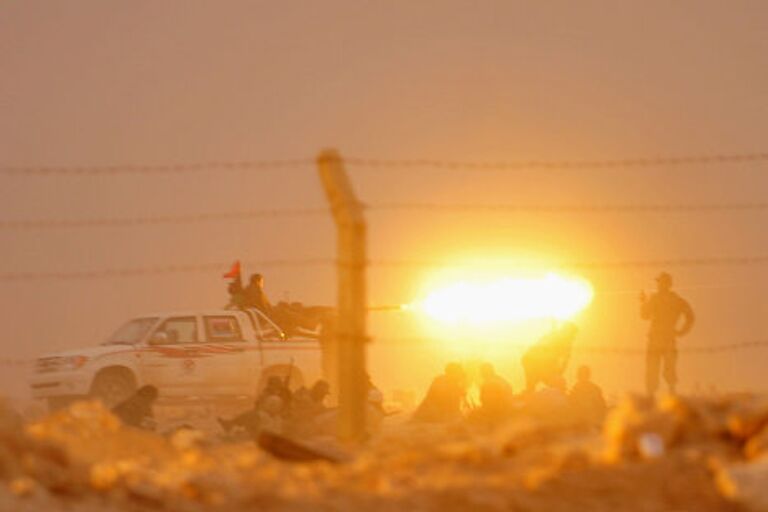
(508, 300)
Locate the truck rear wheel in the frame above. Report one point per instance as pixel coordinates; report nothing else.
(113, 385)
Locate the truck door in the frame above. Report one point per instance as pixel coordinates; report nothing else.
(282, 355)
(233, 359)
(171, 360)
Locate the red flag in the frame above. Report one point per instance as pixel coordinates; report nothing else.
(234, 271)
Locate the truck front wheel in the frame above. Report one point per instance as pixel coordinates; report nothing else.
(113, 385)
(59, 402)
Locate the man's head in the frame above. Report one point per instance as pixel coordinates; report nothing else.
(664, 282)
(487, 371)
(454, 371)
(257, 280)
(584, 373)
(320, 390)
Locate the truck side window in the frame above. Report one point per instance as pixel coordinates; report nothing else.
(222, 328)
(180, 330)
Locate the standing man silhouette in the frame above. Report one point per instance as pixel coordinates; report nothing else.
(664, 310)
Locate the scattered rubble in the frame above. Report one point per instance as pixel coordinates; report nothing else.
(676, 454)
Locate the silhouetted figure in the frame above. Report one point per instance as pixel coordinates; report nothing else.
(550, 402)
(291, 317)
(496, 395)
(586, 398)
(279, 388)
(250, 421)
(664, 309)
(369, 385)
(310, 403)
(272, 404)
(445, 396)
(269, 415)
(309, 414)
(254, 296)
(138, 409)
(250, 296)
(549, 357)
(374, 395)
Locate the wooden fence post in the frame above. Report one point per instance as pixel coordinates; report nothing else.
(350, 336)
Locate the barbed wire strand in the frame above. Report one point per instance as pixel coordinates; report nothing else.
(279, 164)
(157, 270)
(327, 261)
(152, 169)
(669, 262)
(640, 162)
(600, 349)
(195, 218)
(572, 208)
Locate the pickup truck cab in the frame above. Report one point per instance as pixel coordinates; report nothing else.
(202, 354)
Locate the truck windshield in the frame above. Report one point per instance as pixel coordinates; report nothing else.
(132, 332)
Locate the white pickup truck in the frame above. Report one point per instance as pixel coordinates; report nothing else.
(202, 354)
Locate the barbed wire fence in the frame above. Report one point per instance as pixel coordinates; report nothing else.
(206, 217)
(389, 165)
(329, 261)
(579, 348)
(605, 348)
(365, 162)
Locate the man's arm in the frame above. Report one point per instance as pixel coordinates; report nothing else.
(264, 305)
(688, 317)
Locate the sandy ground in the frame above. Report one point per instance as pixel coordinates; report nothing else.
(82, 459)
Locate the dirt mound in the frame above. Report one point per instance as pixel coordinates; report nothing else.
(672, 455)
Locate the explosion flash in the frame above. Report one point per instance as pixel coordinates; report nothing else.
(508, 300)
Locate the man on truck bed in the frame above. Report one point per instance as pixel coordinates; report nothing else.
(251, 296)
(290, 317)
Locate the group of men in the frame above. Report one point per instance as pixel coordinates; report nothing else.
(280, 410)
(301, 413)
(545, 363)
(547, 360)
(447, 398)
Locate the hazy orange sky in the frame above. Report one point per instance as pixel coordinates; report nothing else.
(89, 82)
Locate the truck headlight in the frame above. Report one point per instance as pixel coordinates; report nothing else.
(54, 364)
(73, 362)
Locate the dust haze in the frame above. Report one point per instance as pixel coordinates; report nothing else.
(98, 84)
